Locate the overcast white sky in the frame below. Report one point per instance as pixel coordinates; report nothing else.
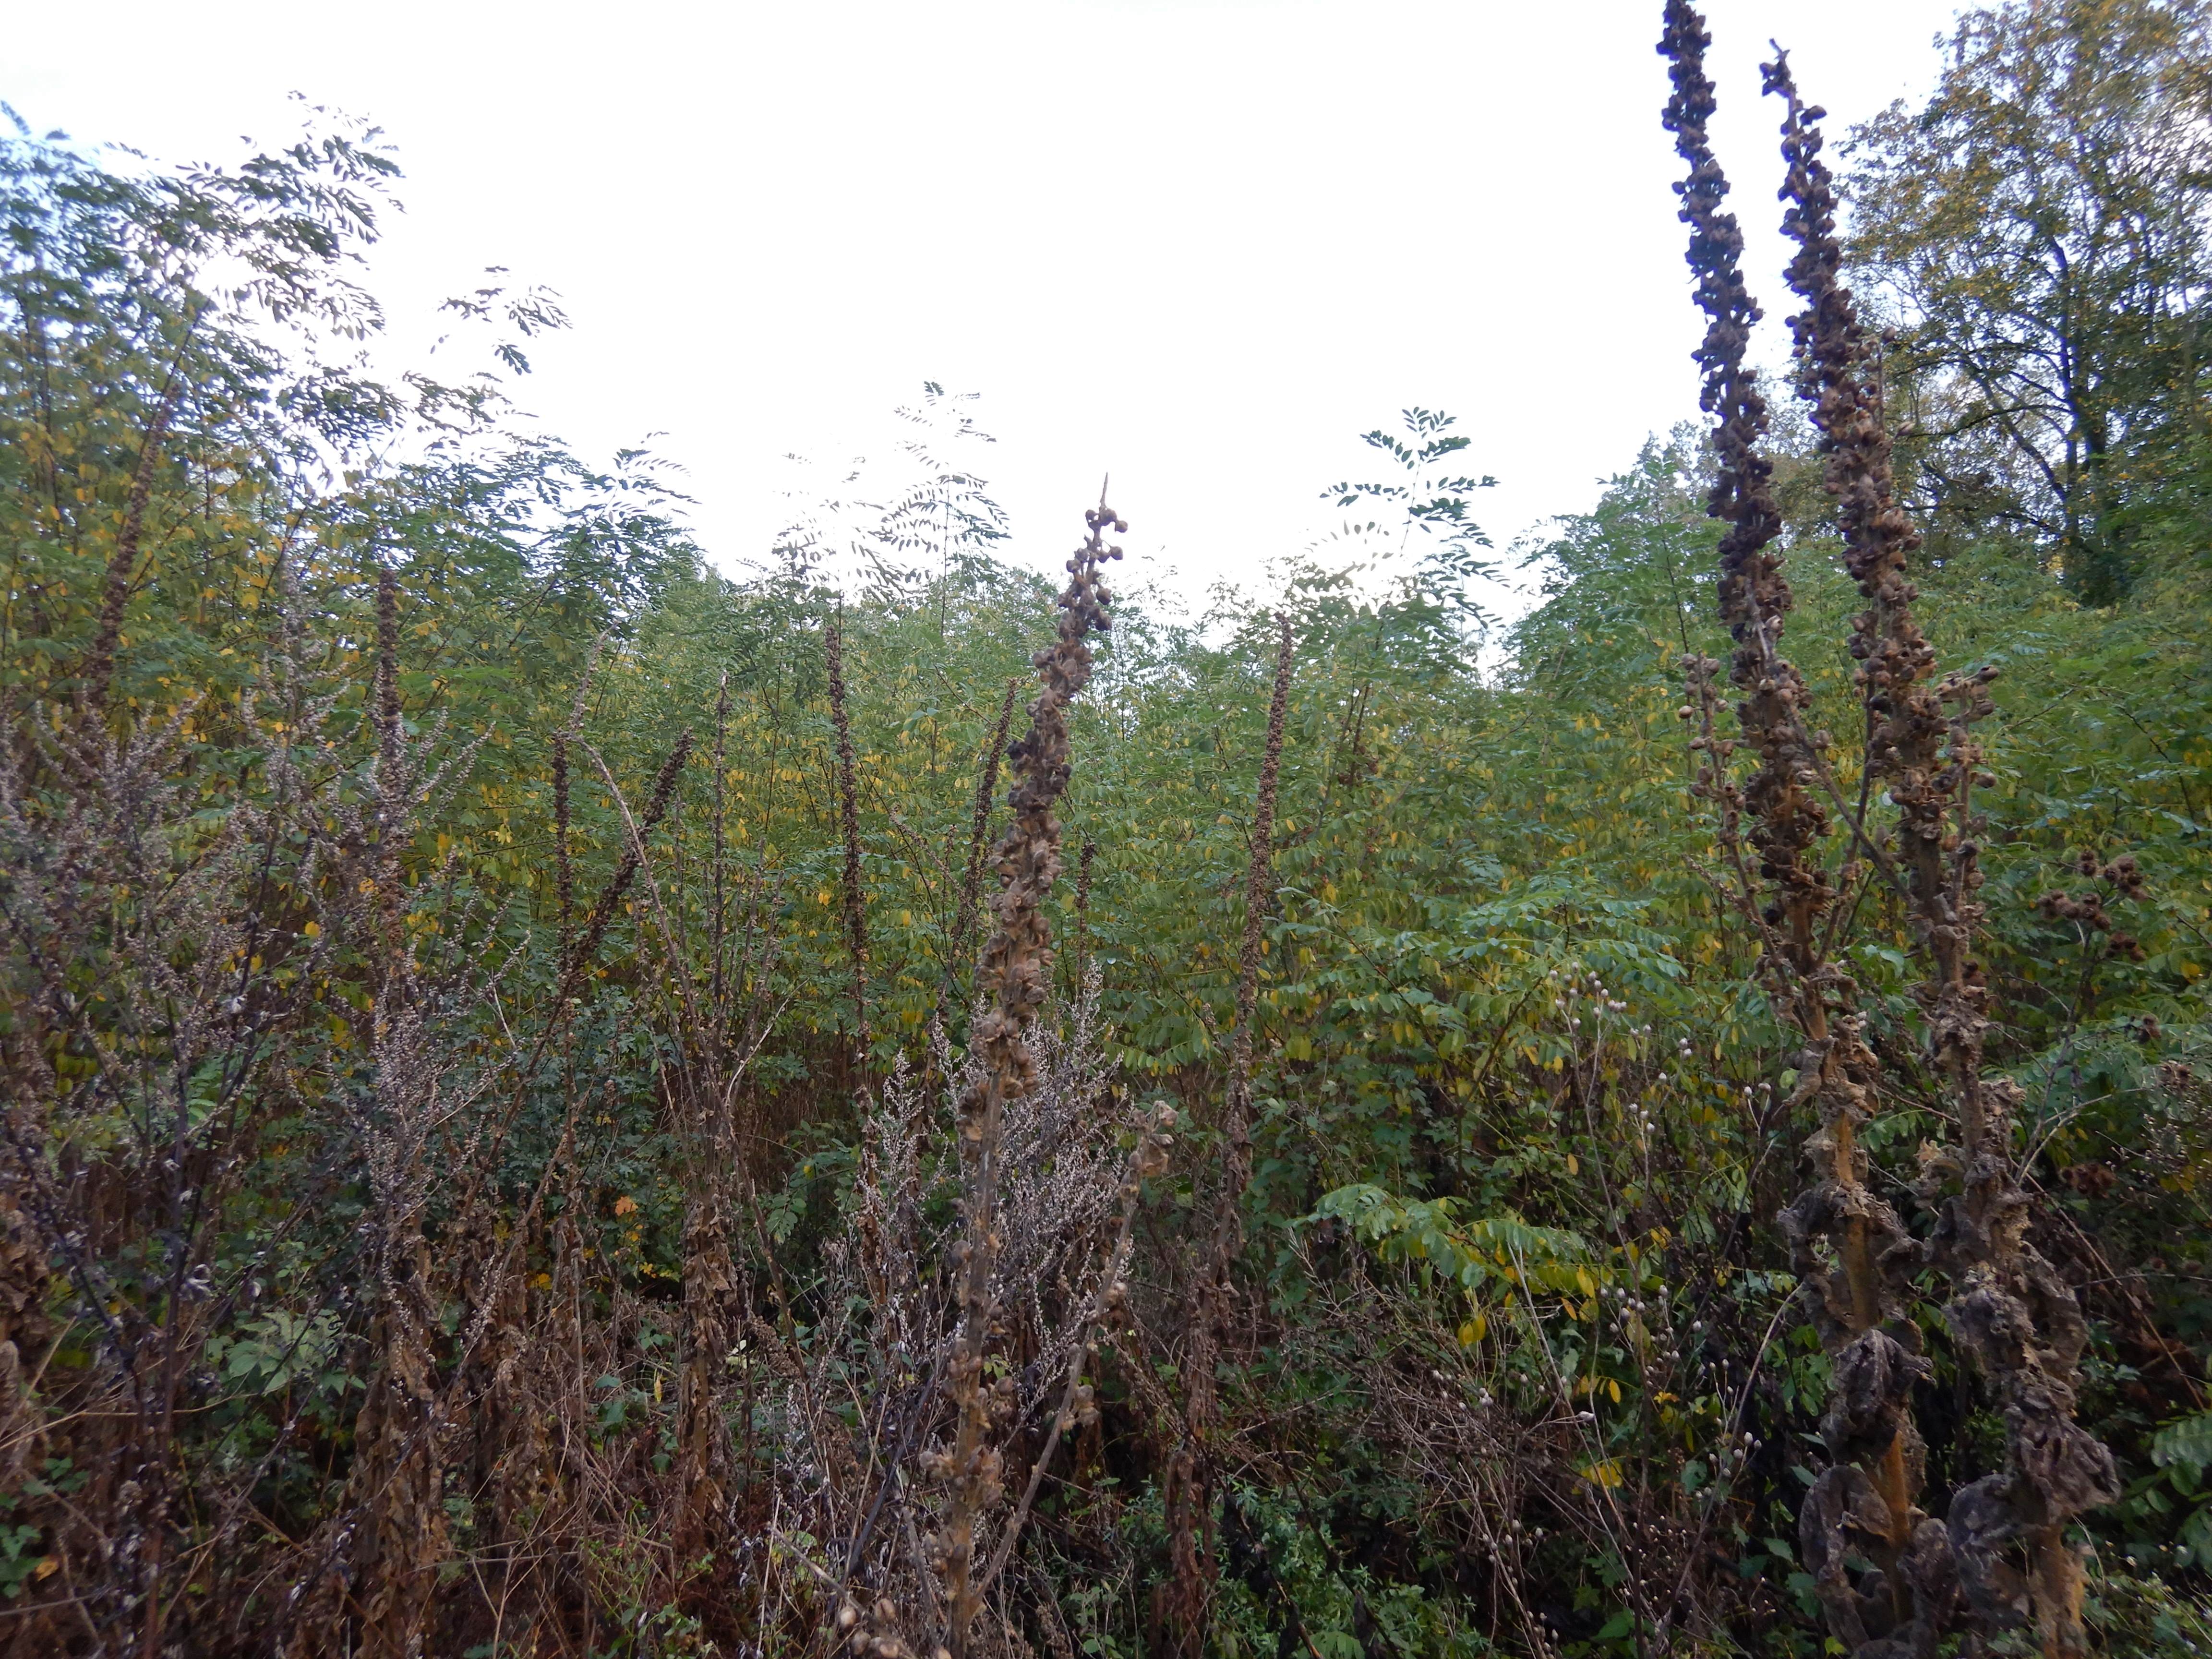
(1199, 244)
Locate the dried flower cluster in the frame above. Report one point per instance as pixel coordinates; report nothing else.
(1016, 977)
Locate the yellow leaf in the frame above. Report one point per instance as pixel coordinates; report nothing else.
(625, 1204)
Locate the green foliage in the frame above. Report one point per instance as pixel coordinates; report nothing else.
(1497, 1252)
(2178, 1504)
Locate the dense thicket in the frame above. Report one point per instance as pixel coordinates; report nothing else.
(560, 1103)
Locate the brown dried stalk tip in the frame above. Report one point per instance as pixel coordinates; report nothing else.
(610, 896)
(1905, 719)
(1015, 974)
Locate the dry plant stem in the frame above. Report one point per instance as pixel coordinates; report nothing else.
(721, 920)
(578, 961)
(115, 594)
(1237, 1118)
(1754, 596)
(389, 733)
(1190, 1478)
(1905, 719)
(1016, 976)
(577, 964)
(610, 896)
(848, 817)
(399, 1470)
(690, 1027)
(710, 1284)
(2009, 1309)
(1859, 1318)
(987, 789)
(564, 874)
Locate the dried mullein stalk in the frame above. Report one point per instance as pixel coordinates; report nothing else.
(564, 873)
(1848, 1246)
(849, 818)
(1238, 1158)
(1754, 595)
(987, 790)
(1016, 977)
(1189, 1482)
(2009, 1309)
(123, 563)
(391, 761)
(1236, 1119)
(625, 873)
(1909, 1590)
(399, 1473)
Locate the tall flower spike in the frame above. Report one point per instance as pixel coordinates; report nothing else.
(848, 820)
(1755, 596)
(1863, 1507)
(1016, 976)
(2009, 1308)
(1188, 1488)
(1845, 1243)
